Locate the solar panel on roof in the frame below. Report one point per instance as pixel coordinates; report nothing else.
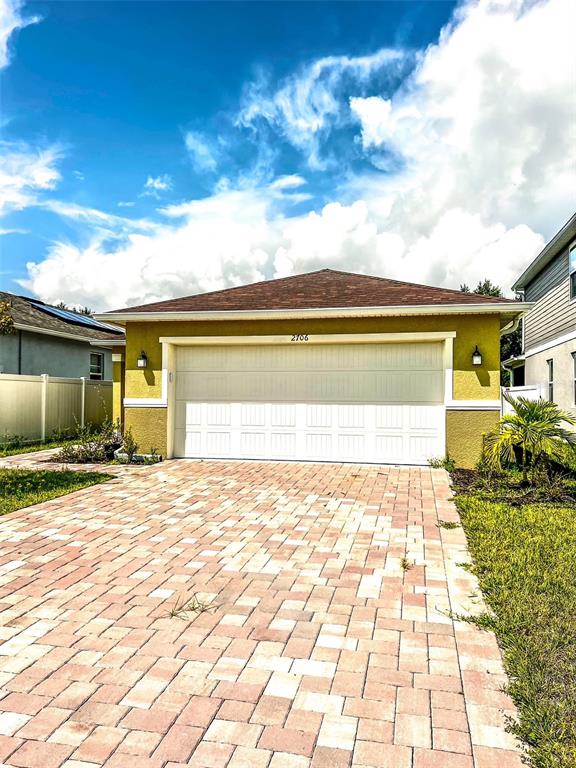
(72, 317)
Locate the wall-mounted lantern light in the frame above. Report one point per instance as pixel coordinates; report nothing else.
(476, 356)
(142, 360)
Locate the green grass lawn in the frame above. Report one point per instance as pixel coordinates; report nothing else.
(525, 559)
(24, 487)
(33, 447)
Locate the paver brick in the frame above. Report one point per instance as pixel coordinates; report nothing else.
(319, 651)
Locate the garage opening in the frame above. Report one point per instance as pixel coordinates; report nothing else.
(376, 402)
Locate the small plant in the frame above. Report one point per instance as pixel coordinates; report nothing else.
(153, 457)
(405, 564)
(447, 524)
(92, 447)
(535, 430)
(129, 445)
(183, 608)
(443, 462)
(8, 442)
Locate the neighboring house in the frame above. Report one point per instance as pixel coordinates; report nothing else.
(326, 366)
(549, 338)
(55, 341)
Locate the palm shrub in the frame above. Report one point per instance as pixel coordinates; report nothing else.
(536, 429)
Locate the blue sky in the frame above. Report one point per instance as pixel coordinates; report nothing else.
(157, 149)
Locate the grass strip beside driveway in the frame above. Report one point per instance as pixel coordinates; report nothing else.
(525, 559)
(24, 487)
(34, 447)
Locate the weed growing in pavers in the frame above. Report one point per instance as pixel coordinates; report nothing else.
(195, 605)
(447, 524)
(405, 564)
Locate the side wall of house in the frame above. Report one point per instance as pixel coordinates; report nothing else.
(536, 368)
(554, 313)
(464, 427)
(36, 353)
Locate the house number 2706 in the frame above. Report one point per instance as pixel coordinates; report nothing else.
(300, 337)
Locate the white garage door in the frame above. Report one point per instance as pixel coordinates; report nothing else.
(347, 402)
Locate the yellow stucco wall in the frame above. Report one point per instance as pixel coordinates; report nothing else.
(148, 426)
(470, 382)
(118, 379)
(464, 430)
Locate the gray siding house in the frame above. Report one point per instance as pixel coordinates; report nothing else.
(549, 331)
(58, 342)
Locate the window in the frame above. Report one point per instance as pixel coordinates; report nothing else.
(550, 364)
(96, 365)
(572, 270)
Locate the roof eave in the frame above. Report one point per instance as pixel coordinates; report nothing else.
(64, 335)
(560, 240)
(513, 308)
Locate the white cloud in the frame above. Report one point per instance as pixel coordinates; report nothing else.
(14, 231)
(202, 152)
(487, 121)
(310, 103)
(24, 173)
(222, 241)
(96, 219)
(156, 184)
(126, 204)
(11, 20)
(482, 157)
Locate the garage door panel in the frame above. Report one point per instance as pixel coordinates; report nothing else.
(389, 447)
(353, 416)
(283, 414)
(253, 443)
(319, 445)
(381, 403)
(283, 445)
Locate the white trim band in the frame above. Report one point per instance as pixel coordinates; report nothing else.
(473, 405)
(145, 402)
(316, 338)
(512, 307)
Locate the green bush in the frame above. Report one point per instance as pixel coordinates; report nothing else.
(534, 435)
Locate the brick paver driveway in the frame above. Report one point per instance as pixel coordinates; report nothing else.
(328, 641)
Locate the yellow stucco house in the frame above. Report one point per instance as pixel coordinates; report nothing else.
(325, 366)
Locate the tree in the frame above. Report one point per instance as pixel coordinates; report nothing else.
(535, 428)
(484, 288)
(6, 319)
(78, 310)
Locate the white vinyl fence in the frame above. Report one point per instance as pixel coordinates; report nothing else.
(529, 391)
(33, 407)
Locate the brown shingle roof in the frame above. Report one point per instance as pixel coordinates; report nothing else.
(325, 289)
(28, 312)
